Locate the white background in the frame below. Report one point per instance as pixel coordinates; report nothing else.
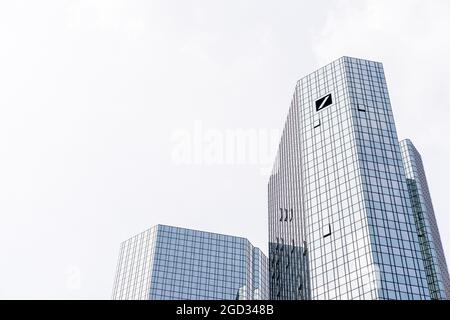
(92, 91)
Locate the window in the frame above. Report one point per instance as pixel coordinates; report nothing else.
(326, 230)
(316, 122)
(361, 107)
(284, 214)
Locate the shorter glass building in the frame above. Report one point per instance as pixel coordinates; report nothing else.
(171, 263)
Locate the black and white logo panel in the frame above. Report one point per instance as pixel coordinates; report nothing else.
(324, 102)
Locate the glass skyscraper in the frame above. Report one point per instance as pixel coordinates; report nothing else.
(166, 263)
(341, 223)
(427, 229)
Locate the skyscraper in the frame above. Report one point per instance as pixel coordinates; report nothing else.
(427, 229)
(341, 225)
(166, 263)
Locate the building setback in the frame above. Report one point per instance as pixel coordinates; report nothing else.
(166, 263)
(341, 225)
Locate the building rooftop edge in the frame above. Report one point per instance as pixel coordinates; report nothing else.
(334, 61)
(195, 230)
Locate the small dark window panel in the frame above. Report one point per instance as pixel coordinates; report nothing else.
(327, 231)
(324, 102)
(361, 107)
(317, 123)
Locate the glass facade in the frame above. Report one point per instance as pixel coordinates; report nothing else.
(341, 225)
(171, 263)
(427, 229)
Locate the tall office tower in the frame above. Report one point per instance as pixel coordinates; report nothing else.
(429, 238)
(341, 225)
(166, 263)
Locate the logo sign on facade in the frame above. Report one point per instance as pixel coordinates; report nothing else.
(324, 102)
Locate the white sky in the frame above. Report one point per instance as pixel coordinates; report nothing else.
(91, 93)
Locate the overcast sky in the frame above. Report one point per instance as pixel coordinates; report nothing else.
(94, 96)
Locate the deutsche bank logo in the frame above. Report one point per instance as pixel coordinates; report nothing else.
(324, 102)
